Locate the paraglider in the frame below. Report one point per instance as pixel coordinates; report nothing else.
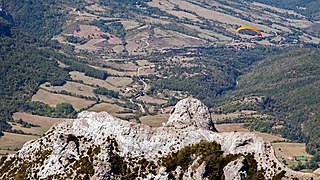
(251, 28)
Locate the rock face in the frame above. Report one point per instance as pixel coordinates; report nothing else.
(99, 146)
(191, 112)
(234, 170)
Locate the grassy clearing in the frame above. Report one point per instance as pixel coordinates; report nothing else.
(180, 40)
(91, 45)
(238, 128)
(288, 152)
(93, 34)
(148, 99)
(147, 70)
(219, 117)
(130, 24)
(230, 127)
(112, 109)
(128, 66)
(118, 48)
(5, 152)
(33, 130)
(286, 149)
(119, 81)
(91, 81)
(144, 63)
(53, 99)
(246, 113)
(12, 141)
(132, 46)
(115, 72)
(183, 15)
(106, 99)
(45, 123)
(269, 137)
(95, 7)
(154, 121)
(72, 87)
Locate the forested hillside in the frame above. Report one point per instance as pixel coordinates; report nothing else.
(41, 18)
(27, 60)
(291, 81)
(23, 68)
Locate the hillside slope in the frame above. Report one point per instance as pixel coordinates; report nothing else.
(292, 82)
(310, 8)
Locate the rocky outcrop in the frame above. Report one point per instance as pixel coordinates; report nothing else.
(191, 112)
(99, 146)
(234, 170)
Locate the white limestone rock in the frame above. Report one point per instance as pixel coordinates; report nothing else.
(191, 112)
(72, 141)
(234, 170)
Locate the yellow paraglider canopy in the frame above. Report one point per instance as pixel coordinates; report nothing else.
(251, 28)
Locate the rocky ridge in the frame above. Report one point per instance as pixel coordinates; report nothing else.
(99, 146)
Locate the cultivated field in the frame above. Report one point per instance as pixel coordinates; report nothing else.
(91, 33)
(53, 99)
(287, 149)
(6, 152)
(115, 72)
(91, 45)
(130, 24)
(211, 14)
(119, 81)
(95, 7)
(94, 32)
(45, 123)
(149, 99)
(92, 81)
(245, 113)
(112, 109)
(238, 128)
(12, 141)
(220, 117)
(127, 66)
(72, 87)
(154, 121)
(144, 63)
(146, 70)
